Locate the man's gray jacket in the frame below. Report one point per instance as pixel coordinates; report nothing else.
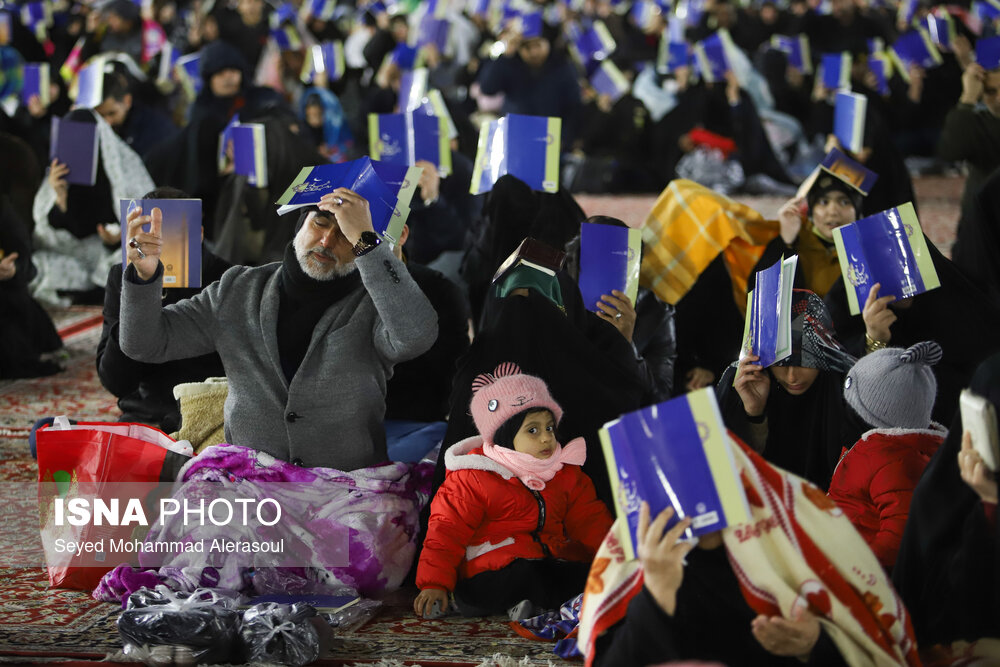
(331, 413)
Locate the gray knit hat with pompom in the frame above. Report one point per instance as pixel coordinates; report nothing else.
(893, 387)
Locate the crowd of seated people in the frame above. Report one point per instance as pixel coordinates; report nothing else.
(361, 362)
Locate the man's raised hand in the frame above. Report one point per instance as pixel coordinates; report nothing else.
(144, 247)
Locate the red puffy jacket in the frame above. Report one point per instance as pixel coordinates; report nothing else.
(874, 483)
(483, 518)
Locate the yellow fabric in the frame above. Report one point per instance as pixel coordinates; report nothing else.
(688, 227)
(202, 407)
(819, 263)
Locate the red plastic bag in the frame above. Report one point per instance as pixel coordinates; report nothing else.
(91, 456)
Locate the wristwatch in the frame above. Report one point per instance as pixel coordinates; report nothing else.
(367, 242)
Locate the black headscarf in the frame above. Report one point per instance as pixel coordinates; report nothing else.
(805, 433)
(959, 315)
(948, 568)
(977, 244)
(513, 211)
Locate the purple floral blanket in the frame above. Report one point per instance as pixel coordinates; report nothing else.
(364, 521)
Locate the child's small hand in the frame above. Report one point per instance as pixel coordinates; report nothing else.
(424, 602)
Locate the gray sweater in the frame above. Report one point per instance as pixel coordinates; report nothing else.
(330, 415)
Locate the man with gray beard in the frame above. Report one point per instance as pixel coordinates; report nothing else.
(308, 343)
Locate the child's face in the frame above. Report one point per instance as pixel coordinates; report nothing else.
(537, 435)
(314, 115)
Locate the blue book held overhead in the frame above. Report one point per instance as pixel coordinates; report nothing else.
(881, 66)
(434, 105)
(711, 55)
(690, 12)
(187, 70)
(524, 146)
(672, 55)
(609, 260)
(914, 48)
(37, 17)
(591, 44)
(434, 31)
(906, 11)
(169, 55)
(74, 144)
(645, 12)
(357, 175)
(90, 84)
(767, 331)
(181, 250)
(796, 49)
(988, 52)
(324, 62)
(836, 70)
(404, 138)
(404, 56)
(608, 80)
(250, 153)
(36, 82)
(986, 11)
(941, 29)
(674, 454)
(402, 181)
(887, 248)
(286, 37)
(849, 171)
(413, 89)
(849, 111)
(323, 10)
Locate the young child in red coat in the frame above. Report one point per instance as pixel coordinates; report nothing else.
(893, 390)
(516, 523)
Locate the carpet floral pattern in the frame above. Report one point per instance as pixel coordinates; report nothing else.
(41, 624)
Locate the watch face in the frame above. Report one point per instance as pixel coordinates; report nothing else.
(369, 238)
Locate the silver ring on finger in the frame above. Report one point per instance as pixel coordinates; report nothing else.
(134, 243)
(618, 316)
(339, 201)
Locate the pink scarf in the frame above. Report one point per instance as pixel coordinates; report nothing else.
(535, 472)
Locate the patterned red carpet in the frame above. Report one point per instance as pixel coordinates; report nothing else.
(42, 624)
(39, 624)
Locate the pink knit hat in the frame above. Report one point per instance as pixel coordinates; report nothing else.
(498, 396)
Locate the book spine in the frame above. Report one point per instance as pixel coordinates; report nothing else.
(845, 71)
(806, 55)
(290, 192)
(44, 84)
(859, 112)
(410, 137)
(846, 269)
(632, 266)
(481, 168)
(309, 66)
(716, 446)
(618, 493)
(553, 139)
(259, 157)
(918, 245)
(604, 39)
(374, 137)
(339, 61)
